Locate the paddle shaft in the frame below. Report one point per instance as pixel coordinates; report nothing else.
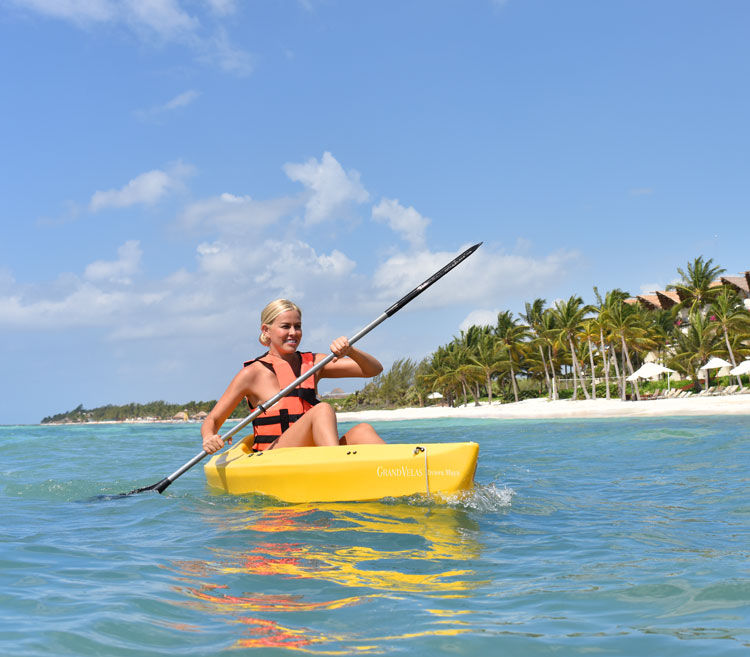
(262, 408)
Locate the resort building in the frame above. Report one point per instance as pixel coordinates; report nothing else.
(664, 299)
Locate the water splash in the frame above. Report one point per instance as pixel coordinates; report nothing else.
(482, 498)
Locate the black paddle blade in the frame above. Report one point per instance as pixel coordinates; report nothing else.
(157, 488)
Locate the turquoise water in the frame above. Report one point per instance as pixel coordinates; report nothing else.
(620, 537)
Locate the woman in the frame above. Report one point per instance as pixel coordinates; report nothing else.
(297, 420)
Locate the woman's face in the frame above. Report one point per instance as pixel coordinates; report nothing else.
(284, 333)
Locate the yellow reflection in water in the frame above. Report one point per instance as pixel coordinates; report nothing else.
(401, 551)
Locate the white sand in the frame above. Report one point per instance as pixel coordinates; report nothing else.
(543, 408)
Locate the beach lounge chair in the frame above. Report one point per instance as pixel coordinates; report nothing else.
(730, 390)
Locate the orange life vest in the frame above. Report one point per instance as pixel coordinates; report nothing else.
(268, 426)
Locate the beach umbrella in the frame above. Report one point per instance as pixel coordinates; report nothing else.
(435, 395)
(713, 364)
(742, 368)
(651, 371)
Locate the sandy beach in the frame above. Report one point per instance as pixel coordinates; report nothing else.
(533, 409)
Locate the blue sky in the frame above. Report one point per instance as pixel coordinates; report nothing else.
(169, 166)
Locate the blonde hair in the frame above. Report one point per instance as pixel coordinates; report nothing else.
(271, 312)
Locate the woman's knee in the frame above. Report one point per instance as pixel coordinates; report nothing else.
(363, 433)
(322, 411)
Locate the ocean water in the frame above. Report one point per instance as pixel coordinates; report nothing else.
(612, 537)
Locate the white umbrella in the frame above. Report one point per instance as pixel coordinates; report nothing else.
(715, 364)
(434, 395)
(742, 368)
(649, 371)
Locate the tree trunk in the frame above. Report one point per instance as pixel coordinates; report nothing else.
(544, 364)
(593, 371)
(574, 360)
(555, 394)
(617, 371)
(573, 367)
(513, 380)
(630, 365)
(731, 355)
(605, 361)
(489, 387)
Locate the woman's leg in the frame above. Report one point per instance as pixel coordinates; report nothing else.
(317, 427)
(362, 434)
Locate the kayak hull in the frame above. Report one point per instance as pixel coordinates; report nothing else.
(345, 473)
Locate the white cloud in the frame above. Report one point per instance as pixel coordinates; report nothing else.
(147, 188)
(167, 20)
(120, 270)
(222, 7)
(406, 221)
(484, 276)
(220, 50)
(235, 215)
(479, 318)
(179, 101)
(164, 17)
(331, 189)
(650, 288)
(77, 11)
(295, 268)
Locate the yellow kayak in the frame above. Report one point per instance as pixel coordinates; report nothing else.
(345, 473)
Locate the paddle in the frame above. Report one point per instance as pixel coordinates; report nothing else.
(262, 408)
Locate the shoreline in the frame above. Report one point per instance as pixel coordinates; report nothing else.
(529, 409)
(543, 409)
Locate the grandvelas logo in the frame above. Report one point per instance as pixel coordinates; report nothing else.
(403, 471)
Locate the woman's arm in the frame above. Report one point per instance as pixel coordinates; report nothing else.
(238, 389)
(349, 362)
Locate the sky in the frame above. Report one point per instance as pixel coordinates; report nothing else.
(167, 167)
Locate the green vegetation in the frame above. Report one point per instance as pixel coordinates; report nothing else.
(569, 350)
(577, 350)
(156, 410)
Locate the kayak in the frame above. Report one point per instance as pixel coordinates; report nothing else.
(345, 473)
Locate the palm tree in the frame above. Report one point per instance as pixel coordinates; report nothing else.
(442, 374)
(534, 319)
(549, 337)
(695, 346)
(588, 333)
(569, 315)
(730, 315)
(512, 336)
(603, 304)
(626, 325)
(696, 287)
(487, 358)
